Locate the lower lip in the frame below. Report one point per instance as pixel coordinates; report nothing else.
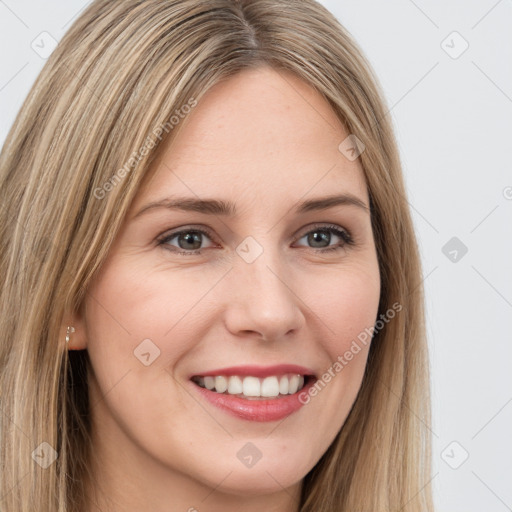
(274, 409)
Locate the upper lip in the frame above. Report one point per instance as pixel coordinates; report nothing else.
(257, 371)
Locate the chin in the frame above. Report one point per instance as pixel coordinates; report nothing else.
(262, 478)
(241, 483)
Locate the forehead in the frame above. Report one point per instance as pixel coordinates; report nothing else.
(260, 134)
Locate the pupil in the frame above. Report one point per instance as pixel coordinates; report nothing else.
(192, 239)
(319, 237)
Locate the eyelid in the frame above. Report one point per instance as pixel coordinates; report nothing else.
(167, 235)
(327, 227)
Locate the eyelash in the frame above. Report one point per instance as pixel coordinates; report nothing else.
(341, 233)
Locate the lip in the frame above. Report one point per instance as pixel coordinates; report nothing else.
(258, 410)
(255, 410)
(257, 371)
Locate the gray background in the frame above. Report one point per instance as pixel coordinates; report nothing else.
(452, 111)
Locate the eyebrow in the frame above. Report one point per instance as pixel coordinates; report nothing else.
(226, 208)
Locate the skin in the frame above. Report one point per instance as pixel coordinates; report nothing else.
(265, 141)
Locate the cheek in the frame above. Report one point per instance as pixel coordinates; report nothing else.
(346, 308)
(347, 305)
(128, 305)
(140, 324)
(356, 311)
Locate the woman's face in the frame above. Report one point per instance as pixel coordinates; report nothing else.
(232, 269)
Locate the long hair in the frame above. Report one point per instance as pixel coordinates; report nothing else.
(72, 163)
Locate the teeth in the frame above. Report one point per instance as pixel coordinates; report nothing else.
(235, 386)
(283, 385)
(293, 385)
(253, 387)
(270, 387)
(209, 383)
(221, 384)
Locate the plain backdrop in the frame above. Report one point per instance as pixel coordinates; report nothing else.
(445, 68)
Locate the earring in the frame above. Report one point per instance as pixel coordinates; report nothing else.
(69, 331)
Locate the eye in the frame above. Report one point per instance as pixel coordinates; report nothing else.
(190, 241)
(323, 236)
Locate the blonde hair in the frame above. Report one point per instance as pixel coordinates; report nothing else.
(116, 78)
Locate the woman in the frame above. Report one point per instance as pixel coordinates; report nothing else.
(212, 293)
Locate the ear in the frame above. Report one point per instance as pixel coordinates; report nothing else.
(78, 337)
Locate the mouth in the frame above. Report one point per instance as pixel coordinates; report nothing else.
(254, 388)
(255, 393)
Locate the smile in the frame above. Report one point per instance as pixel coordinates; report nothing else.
(255, 393)
(251, 387)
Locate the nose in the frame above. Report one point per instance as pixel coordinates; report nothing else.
(260, 299)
